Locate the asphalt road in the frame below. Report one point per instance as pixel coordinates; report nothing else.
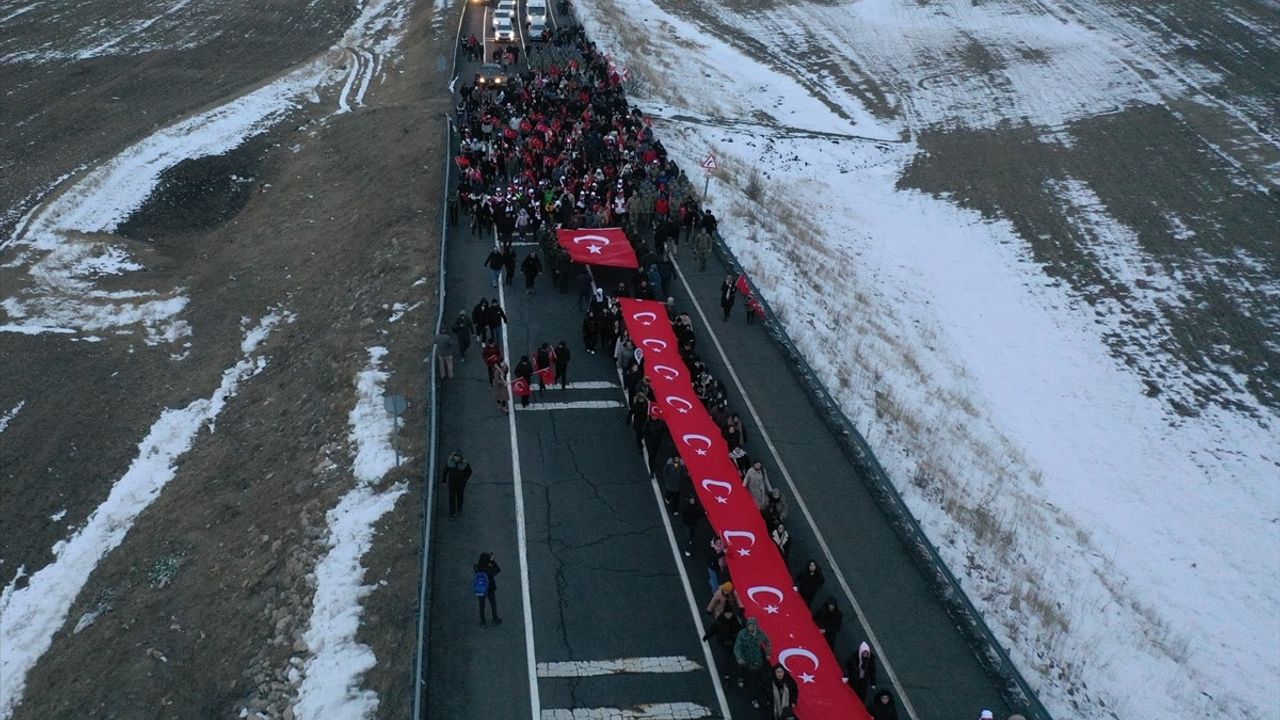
(602, 577)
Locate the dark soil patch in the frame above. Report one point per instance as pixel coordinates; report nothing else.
(198, 194)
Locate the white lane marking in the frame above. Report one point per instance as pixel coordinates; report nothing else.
(592, 668)
(592, 385)
(804, 508)
(368, 76)
(580, 405)
(655, 711)
(343, 107)
(523, 243)
(695, 608)
(522, 543)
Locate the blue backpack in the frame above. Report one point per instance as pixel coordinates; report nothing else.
(480, 584)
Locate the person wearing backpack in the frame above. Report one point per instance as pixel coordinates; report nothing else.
(484, 585)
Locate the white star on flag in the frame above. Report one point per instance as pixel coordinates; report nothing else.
(771, 609)
(806, 677)
(722, 500)
(593, 249)
(743, 552)
(702, 452)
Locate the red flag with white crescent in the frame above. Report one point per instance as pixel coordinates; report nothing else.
(599, 246)
(520, 387)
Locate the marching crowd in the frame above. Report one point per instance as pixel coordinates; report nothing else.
(559, 148)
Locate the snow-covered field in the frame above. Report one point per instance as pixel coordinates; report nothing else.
(1126, 554)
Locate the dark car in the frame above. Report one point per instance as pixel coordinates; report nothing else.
(491, 74)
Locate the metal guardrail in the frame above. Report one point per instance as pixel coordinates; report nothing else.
(429, 471)
(991, 654)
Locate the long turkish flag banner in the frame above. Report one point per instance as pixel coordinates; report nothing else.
(760, 576)
(599, 246)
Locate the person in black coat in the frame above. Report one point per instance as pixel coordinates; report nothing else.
(480, 319)
(809, 581)
(562, 364)
(524, 371)
(829, 619)
(530, 267)
(728, 292)
(860, 671)
(882, 707)
(779, 693)
(509, 263)
(494, 263)
(489, 567)
(690, 515)
(496, 317)
(457, 472)
(590, 331)
(721, 633)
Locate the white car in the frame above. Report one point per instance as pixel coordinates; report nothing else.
(503, 30)
(506, 10)
(536, 27)
(535, 11)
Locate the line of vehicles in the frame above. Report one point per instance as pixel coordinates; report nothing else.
(507, 13)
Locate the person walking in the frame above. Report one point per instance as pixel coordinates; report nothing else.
(860, 671)
(780, 693)
(883, 707)
(829, 620)
(751, 649)
(530, 267)
(690, 515)
(723, 598)
(498, 379)
(775, 512)
(495, 318)
(675, 478)
(728, 292)
(562, 364)
(590, 331)
(480, 319)
(757, 483)
(485, 586)
(702, 248)
(463, 328)
(491, 354)
(722, 633)
(782, 539)
(457, 472)
(522, 385)
(509, 263)
(809, 581)
(446, 345)
(494, 262)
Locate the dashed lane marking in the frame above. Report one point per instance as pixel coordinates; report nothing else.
(579, 405)
(593, 668)
(656, 711)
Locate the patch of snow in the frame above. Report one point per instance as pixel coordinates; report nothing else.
(331, 675)
(1033, 458)
(399, 310)
(30, 616)
(58, 515)
(8, 417)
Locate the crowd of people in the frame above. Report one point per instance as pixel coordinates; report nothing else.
(558, 147)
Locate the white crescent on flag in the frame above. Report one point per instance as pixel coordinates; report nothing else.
(594, 249)
(789, 653)
(667, 372)
(681, 405)
(730, 534)
(645, 314)
(709, 484)
(654, 344)
(771, 608)
(695, 436)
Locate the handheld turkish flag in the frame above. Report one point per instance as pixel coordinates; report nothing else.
(599, 246)
(521, 388)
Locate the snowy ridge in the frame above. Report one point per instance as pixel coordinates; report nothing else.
(1112, 547)
(8, 417)
(331, 676)
(30, 615)
(61, 242)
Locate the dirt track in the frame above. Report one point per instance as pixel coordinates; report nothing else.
(334, 224)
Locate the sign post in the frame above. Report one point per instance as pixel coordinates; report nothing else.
(395, 406)
(708, 166)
